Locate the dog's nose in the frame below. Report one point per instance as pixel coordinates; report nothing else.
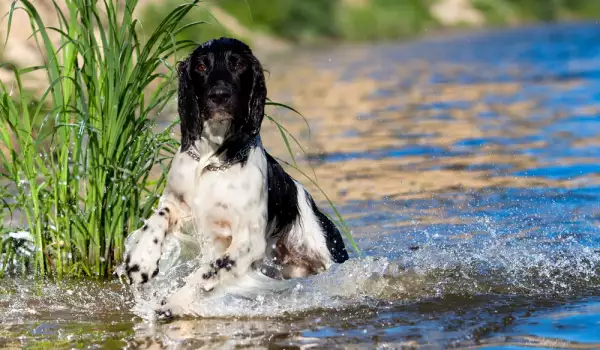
(219, 95)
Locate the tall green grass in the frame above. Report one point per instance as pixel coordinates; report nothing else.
(82, 165)
(81, 171)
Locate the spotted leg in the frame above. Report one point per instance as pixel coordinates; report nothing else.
(234, 262)
(141, 260)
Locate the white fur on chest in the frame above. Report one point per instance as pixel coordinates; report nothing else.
(227, 202)
(182, 177)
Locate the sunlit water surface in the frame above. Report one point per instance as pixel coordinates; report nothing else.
(469, 172)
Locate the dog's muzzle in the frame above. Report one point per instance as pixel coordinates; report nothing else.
(220, 95)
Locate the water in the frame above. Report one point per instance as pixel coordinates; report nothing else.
(466, 167)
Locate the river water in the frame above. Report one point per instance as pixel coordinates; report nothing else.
(468, 169)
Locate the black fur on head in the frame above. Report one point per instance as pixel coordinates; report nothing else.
(221, 80)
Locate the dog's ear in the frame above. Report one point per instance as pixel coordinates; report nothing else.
(258, 95)
(187, 106)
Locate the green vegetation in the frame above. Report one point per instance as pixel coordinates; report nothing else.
(309, 20)
(290, 19)
(152, 15)
(501, 12)
(82, 165)
(385, 19)
(360, 20)
(79, 170)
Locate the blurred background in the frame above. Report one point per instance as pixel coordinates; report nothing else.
(303, 21)
(274, 25)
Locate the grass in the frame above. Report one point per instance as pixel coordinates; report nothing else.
(82, 165)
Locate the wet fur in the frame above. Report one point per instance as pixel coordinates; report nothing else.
(252, 212)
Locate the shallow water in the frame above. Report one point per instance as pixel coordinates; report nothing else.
(468, 169)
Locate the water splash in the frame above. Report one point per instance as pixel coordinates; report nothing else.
(494, 264)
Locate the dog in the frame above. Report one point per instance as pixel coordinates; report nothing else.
(240, 199)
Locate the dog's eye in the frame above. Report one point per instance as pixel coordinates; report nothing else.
(201, 68)
(238, 66)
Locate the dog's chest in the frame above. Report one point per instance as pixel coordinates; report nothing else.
(239, 187)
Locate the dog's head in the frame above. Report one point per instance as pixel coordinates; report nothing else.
(221, 86)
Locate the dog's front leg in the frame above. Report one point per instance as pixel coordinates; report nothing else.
(141, 261)
(143, 254)
(234, 262)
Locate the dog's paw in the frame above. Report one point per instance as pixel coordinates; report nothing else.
(168, 312)
(178, 303)
(142, 259)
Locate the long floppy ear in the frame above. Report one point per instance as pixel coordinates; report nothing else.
(187, 106)
(258, 95)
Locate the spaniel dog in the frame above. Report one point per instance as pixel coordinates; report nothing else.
(240, 199)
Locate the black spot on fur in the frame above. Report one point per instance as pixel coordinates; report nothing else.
(217, 265)
(145, 228)
(223, 263)
(155, 273)
(134, 268)
(167, 314)
(144, 278)
(167, 210)
(161, 213)
(155, 240)
(127, 260)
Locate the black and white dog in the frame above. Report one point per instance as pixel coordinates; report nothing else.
(239, 198)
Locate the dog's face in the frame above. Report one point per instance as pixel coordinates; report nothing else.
(221, 82)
